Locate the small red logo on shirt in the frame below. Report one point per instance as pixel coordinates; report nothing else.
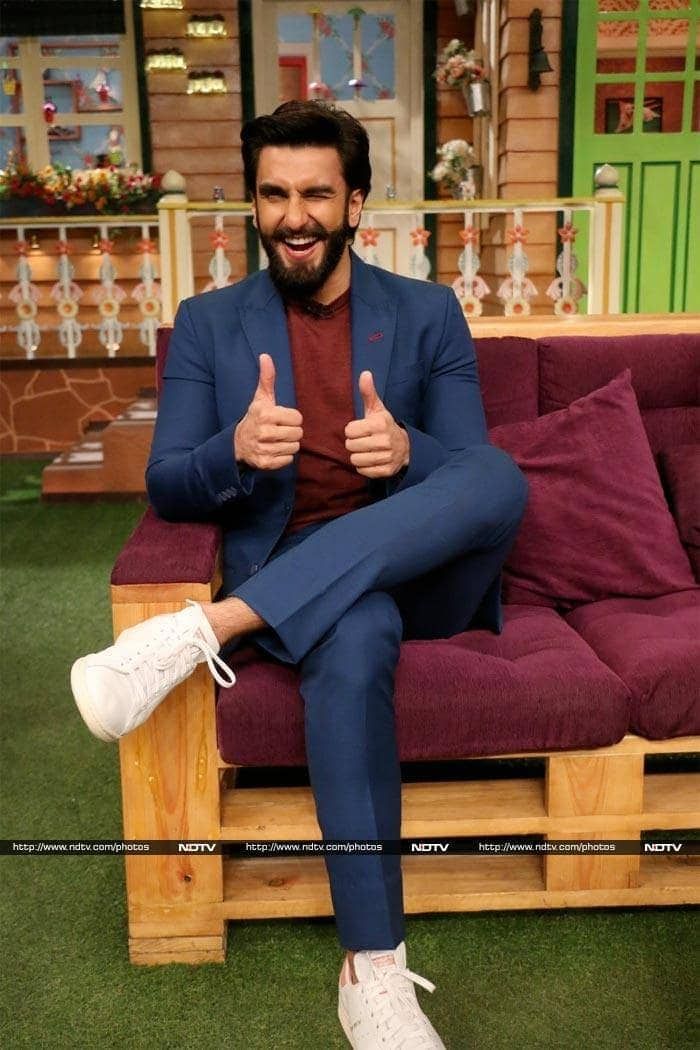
(375, 337)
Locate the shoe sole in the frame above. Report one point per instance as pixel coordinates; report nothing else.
(83, 700)
(345, 1022)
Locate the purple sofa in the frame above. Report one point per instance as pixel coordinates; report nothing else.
(550, 681)
(597, 669)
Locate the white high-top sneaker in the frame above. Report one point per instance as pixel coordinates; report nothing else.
(381, 1011)
(118, 688)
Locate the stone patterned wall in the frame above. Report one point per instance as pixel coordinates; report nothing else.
(47, 409)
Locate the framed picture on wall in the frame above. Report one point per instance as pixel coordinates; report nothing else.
(619, 115)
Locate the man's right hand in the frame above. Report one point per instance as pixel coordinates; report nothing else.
(269, 435)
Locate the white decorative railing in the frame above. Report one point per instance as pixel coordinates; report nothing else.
(392, 234)
(71, 308)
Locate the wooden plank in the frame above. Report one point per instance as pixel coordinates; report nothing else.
(157, 594)
(598, 325)
(592, 871)
(170, 789)
(481, 808)
(175, 950)
(285, 888)
(671, 800)
(588, 785)
(486, 807)
(187, 918)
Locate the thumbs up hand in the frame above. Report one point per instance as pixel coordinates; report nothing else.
(378, 446)
(268, 435)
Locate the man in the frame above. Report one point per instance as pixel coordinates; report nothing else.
(329, 414)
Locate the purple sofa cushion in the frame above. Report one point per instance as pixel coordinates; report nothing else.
(654, 646)
(162, 342)
(680, 468)
(596, 523)
(666, 427)
(665, 368)
(160, 551)
(509, 378)
(535, 686)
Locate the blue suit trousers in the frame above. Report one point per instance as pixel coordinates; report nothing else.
(339, 596)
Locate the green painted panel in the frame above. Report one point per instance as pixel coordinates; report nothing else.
(658, 171)
(656, 239)
(691, 298)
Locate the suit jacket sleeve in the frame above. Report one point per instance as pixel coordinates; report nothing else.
(192, 470)
(453, 415)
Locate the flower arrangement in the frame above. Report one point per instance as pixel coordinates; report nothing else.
(457, 66)
(108, 190)
(455, 159)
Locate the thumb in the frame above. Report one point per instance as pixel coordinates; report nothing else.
(370, 397)
(266, 382)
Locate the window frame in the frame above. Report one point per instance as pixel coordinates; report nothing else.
(30, 64)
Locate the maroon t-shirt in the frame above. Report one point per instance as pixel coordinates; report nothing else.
(327, 483)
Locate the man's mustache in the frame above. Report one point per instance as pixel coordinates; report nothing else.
(285, 234)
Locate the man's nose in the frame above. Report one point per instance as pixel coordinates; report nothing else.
(296, 212)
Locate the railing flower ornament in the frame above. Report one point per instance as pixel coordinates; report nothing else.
(67, 295)
(418, 263)
(566, 290)
(25, 296)
(516, 291)
(147, 293)
(470, 287)
(219, 268)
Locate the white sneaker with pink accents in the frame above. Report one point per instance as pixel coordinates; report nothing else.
(118, 688)
(381, 1011)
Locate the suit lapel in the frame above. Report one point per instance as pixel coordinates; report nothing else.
(265, 325)
(373, 330)
(373, 325)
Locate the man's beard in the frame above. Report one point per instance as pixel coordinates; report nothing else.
(302, 280)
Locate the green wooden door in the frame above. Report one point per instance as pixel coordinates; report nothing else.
(638, 108)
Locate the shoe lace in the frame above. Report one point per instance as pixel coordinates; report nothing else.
(400, 1020)
(160, 674)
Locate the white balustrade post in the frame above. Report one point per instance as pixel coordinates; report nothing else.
(177, 278)
(605, 244)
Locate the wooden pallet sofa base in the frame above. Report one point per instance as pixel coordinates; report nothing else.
(175, 786)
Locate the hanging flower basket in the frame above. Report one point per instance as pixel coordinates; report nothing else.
(459, 67)
(456, 170)
(477, 95)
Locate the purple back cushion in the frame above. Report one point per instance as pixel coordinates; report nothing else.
(509, 378)
(162, 341)
(680, 468)
(597, 524)
(665, 377)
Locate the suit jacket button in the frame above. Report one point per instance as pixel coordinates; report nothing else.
(254, 569)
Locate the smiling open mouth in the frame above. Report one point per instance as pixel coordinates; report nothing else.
(300, 247)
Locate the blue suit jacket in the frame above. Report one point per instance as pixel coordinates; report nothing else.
(410, 334)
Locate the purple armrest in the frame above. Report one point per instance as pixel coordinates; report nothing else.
(166, 552)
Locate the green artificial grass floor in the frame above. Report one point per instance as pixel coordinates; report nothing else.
(585, 979)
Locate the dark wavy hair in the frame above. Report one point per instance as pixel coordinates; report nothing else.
(310, 123)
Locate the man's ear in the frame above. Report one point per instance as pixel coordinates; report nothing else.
(355, 202)
(255, 214)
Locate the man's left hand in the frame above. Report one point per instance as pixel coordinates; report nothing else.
(378, 446)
